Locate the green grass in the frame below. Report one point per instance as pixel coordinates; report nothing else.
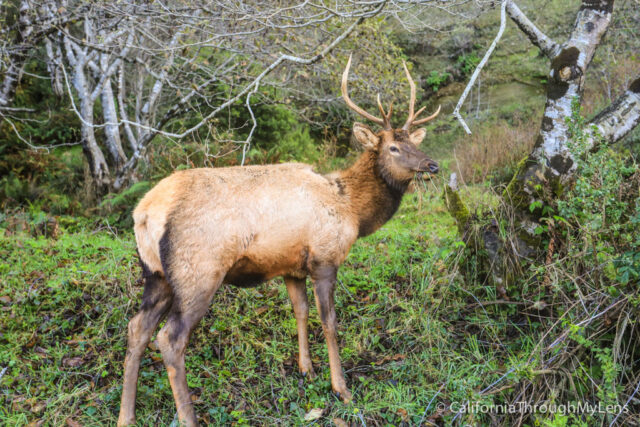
(410, 330)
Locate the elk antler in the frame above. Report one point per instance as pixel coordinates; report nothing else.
(384, 121)
(411, 120)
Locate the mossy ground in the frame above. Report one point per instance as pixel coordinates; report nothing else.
(412, 335)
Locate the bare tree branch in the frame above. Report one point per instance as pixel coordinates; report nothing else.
(621, 117)
(549, 47)
(171, 68)
(476, 73)
(18, 57)
(252, 87)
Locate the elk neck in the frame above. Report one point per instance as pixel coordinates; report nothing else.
(373, 193)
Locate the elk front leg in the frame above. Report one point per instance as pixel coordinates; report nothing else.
(297, 289)
(324, 280)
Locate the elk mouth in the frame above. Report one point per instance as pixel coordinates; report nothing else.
(427, 172)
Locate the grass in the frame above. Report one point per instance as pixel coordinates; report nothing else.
(414, 337)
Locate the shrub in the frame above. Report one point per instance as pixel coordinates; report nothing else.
(467, 63)
(586, 291)
(281, 136)
(117, 207)
(437, 79)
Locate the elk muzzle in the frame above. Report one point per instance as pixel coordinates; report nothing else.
(418, 161)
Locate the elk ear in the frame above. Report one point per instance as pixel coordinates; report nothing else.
(417, 136)
(365, 136)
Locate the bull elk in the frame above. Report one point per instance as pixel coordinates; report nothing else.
(200, 228)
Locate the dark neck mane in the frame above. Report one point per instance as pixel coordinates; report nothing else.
(374, 195)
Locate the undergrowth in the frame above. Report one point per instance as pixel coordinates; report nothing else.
(413, 336)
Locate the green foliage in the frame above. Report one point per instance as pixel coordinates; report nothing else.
(69, 299)
(593, 257)
(280, 136)
(467, 63)
(50, 181)
(118, 207)
(50, 178)
(436, 79)
(602, 210)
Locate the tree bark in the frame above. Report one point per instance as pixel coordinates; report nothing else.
(18, 55)
(93, 153)
(551, 166)
(78, 59)
(110, 116)
(621, 117)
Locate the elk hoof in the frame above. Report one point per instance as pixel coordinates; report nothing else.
(308, 374)
(345, 396)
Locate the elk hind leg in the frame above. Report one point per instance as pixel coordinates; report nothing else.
(156, 300)
(187, 310)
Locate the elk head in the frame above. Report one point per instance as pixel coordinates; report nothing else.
(397, 149)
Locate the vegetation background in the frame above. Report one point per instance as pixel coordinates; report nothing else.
(421, 328)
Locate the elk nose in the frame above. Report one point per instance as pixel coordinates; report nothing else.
(433, 168)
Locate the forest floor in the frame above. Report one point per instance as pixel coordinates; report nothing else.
(415, 339)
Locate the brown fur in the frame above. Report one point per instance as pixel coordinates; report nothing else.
(199, 228)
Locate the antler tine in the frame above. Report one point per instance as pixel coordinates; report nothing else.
(412, 101)
(411, 120)
(351, 104)
(427, 119)
(385, 116)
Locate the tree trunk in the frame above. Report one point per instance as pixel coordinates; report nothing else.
(111, 128)
(93, 153)
(95, 158)
(551, 166)
(17, 57)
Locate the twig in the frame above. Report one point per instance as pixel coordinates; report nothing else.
(487, 388)
(17, 109)
(476, 73)
(362, 419)
(247, 142)
(625, 405)
(496, 302)
(430, 402)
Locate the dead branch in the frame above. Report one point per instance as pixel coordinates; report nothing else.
(476, 73)
(549, 47)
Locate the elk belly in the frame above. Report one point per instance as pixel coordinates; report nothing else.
(251, 270)
(245, 273)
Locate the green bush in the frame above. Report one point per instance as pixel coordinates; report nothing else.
(602, 210)
(588, 286)
(280, 136)
(119, 206)
(467, 63)
(437, 79)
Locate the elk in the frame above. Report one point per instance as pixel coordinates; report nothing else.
(243, 225)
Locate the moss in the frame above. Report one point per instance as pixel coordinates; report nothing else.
(532, 241)
(514, 192)
(558, 188)
(456, 208)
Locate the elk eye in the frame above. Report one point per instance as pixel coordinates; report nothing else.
(394, 149)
